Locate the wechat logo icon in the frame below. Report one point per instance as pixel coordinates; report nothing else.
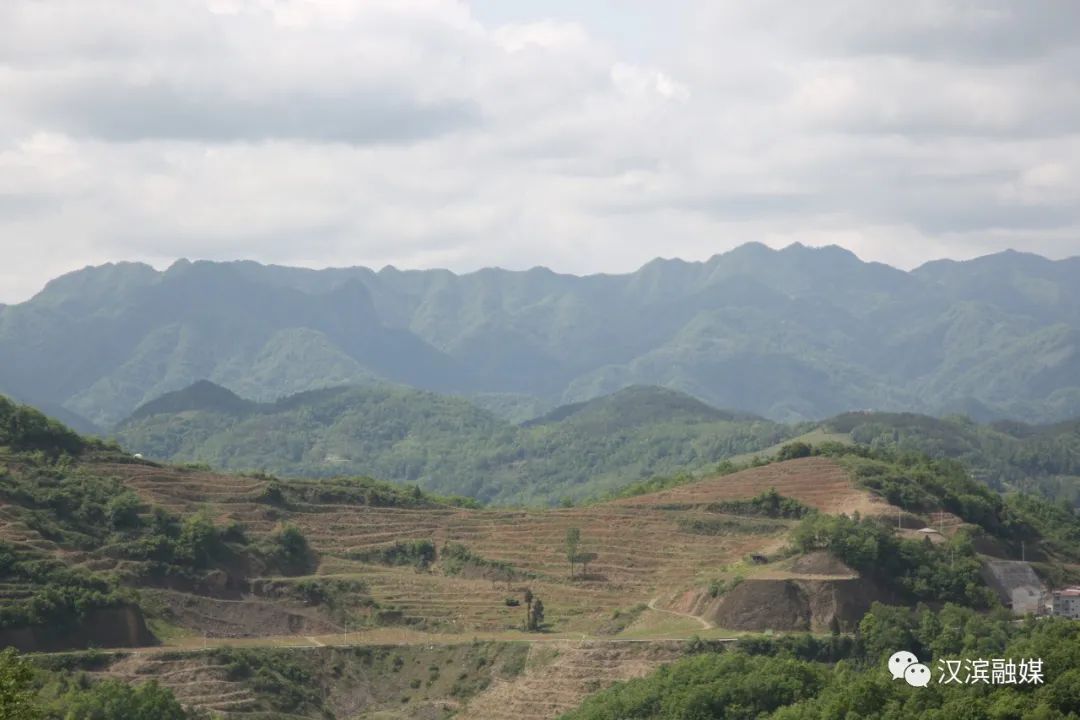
(904, 664)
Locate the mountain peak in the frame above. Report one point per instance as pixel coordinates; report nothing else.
(202, 395)
(638, 404)
(95, 282)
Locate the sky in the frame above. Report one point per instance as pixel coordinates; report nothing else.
(582, 135)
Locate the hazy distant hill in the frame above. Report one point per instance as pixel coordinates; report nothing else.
(444, 442)
(791, 334)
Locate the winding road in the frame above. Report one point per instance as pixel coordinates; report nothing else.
(705, 624)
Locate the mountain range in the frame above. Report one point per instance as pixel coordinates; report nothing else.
(792, 334)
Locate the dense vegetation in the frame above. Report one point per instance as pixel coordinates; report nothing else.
(925, 485)
(23, 429)
(788, 679)
(55, 594)
(446, 444)
(917, 570)
(1004, 455)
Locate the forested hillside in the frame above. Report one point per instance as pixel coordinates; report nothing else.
(447, 444)
(793, 334)
(1005, 455)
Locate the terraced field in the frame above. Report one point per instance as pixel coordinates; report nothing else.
(641, 543)
(194, 678)
(819, 482)
(558, 676)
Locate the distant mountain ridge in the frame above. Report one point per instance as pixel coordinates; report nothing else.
(798, 333)
(447, 443)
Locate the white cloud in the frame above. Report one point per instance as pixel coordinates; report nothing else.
(543, 35)
(413, 132)
(640, 82)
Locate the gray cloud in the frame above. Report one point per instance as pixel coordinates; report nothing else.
(435, 133)
(162, 111)
(990, 32)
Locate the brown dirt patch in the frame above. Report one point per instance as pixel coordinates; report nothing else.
(220, 618)
(792, 605)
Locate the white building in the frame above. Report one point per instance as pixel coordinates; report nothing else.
(1066, 603)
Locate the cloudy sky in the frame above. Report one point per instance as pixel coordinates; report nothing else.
(585, 135)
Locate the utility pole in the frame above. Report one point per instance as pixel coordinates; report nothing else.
(1023, 552)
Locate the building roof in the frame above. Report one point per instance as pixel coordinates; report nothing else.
(1068, 592)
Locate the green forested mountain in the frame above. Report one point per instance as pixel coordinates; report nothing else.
(792, 334)
(444, 443)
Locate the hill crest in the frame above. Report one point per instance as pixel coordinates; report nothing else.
(202, 395)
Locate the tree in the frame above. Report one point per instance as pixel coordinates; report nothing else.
(585, 558)
(17, 693)
(123, 510)
(528, 608)
(794, 450)
(291, 549)
(537, 619)
(573, 542)
(199, 540)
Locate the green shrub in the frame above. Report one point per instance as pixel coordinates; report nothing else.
(768, 504)
(22, 428)
(420, 553)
